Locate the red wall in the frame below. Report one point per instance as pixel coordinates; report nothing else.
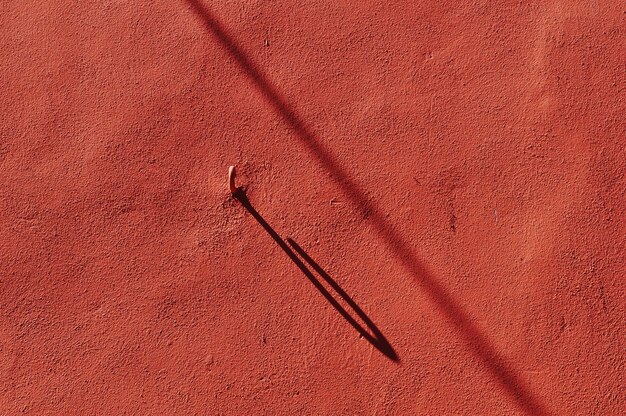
(451, 174)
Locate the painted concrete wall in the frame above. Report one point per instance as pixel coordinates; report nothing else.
(432, 220)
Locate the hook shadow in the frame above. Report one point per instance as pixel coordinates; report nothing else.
(373, 336)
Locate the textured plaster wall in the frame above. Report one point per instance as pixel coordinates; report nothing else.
(451, 176)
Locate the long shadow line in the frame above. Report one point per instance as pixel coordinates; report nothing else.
(469, 332)
(376, 338)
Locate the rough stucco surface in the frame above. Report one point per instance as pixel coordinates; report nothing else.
(457, 168)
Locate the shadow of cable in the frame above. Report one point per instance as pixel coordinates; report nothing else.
(375, 338)
(507, 377)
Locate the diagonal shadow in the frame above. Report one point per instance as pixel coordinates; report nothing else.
(477, 342)
(375, 338)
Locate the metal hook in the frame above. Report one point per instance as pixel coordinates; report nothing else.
(231, 180)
